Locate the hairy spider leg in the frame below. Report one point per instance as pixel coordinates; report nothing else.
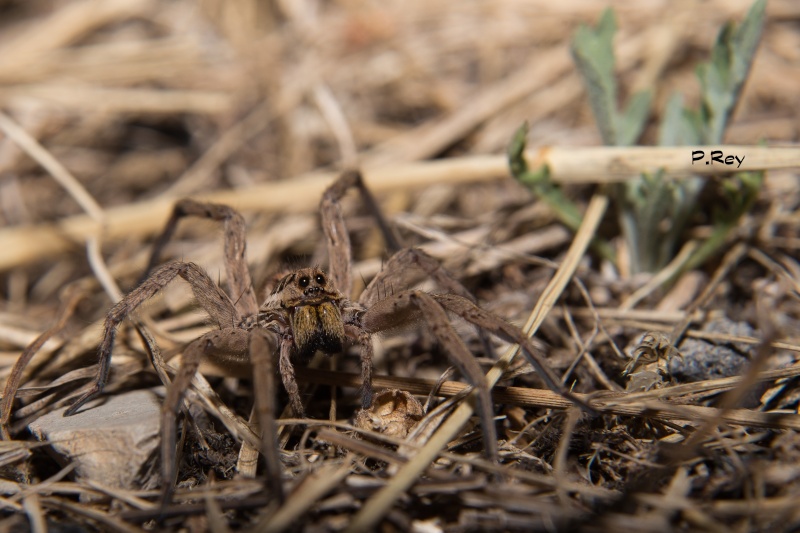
(240, 285)
(405, 307)
(216, 303)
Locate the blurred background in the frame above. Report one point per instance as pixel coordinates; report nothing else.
(141, 97)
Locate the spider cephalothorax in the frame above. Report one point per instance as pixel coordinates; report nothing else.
(312, 305)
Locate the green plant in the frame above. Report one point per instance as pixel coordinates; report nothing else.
(539, 182)
(653, 212)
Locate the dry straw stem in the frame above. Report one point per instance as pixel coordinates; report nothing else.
(377, 506)
(307, 494)
(62, 28)
(76, 190)
(82, 97)
(610, 164)
(649, 404)
(30, 243)
(25, 244)
(62, 176)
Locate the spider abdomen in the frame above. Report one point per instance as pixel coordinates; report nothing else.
(317, 327)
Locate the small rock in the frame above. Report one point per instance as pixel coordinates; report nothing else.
(109, 439)
(705, 359)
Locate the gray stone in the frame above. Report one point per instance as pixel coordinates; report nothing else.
(705, 359)
(109, 440)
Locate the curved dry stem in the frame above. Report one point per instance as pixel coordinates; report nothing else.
(72, 297)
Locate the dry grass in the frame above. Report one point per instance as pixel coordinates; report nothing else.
(112, 109)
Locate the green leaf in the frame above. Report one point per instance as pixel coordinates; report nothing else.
(722, 78)
(540, 184)
(695, 126)
(593, 52)
(631, 123)
(516, 152)
(671, 133)
(745, 41)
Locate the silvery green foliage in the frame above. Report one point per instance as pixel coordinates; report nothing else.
(653, 212)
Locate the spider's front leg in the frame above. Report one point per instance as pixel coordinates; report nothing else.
(226, 343)
(286, 369)
(239, 283)
(340, 254)
(502, 329)
(395, 273)
(367, 354)
(264, 388)
(208, 295)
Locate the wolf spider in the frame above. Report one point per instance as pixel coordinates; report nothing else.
(307, 311)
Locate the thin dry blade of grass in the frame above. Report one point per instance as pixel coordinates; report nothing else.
(119, 101)
(60, 29)
(306, 494)
(611, 164)
(652, 404)
(64, 178)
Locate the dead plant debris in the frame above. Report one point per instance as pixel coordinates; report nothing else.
(122, 107)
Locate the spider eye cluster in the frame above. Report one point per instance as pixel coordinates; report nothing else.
(304, 281)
